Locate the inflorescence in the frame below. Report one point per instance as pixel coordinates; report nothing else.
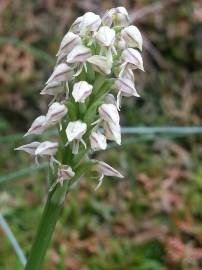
(96, 56)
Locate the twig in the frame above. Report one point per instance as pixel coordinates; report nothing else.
(12, 240)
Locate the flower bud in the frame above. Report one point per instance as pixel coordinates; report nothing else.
(61, 73)
(55, 113)
(69, 41)
(81, 91)
(107, 18)
(110, 99)
(65, 172)
(109, 113)
(29, 148)
(54, 88)
(75, 130)
(79, 53)
(132, 37)
(47, 149)
(98, 141)
(38, 126)
(75, 27)
(90, 22)
(100, 64)
(133, 58)
(121, 17)
(112, 132)
(107, 170)
(105, 36)
(126, 87)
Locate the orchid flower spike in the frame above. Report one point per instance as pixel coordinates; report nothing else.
(96, 56)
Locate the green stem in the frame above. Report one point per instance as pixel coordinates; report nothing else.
(51, 213)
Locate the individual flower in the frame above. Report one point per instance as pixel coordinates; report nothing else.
(61, 73)
(107, 18)
(29, 148)
(109, 113)
(65, 172)
(112, 132)
(81, 91)
(69, 41)
(75, 131)
(132, 58)
(47, 148)
(120, 16)
(98, 141)
(132, 37)
(100, 64)
(79, 54)
(75, 27)
(38, 126)
(53, 88)
(110, 99)
(90, 22)
(106, 170)
(105, 36)
(55, 113)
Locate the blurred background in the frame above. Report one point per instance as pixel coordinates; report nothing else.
(151, 220)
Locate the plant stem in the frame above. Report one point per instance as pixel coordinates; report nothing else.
(51, 213)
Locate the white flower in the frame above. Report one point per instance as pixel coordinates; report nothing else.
(47, 148)
(69, 41)
(38, 126)
(55, 113)
(65, 172)
(133, 58)
(29, 148)
(62, 72)
(81, 91)
(75, 27)
(75, 131)
(98, 141)
(132, 37)
(90, 22)
(100, 64)
(105, 36)
(54, 88)
(112, 132)
(79, 54)
(121, 17)
(110, 99)
(107, 17)
(126, 87)
(109, 113)
(106, 170)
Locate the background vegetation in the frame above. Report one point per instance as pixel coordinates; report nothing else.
(151, 220)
